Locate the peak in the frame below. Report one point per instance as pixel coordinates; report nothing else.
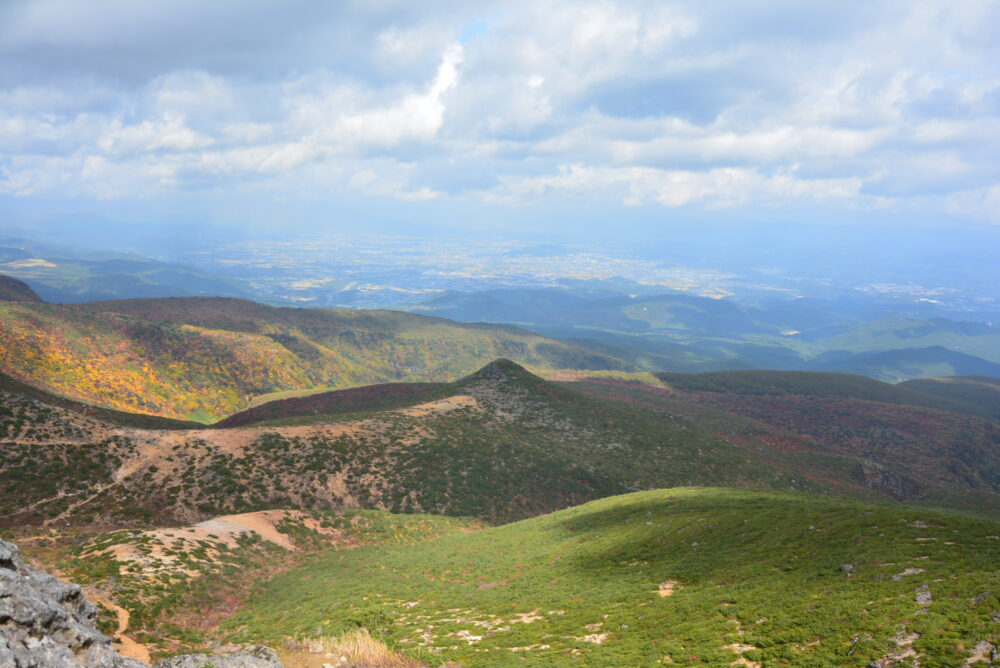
(501, 369)
(14, 290)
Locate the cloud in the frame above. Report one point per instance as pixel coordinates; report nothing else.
(714, 188)
(891, 104)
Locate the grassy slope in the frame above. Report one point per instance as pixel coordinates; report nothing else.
(981, 392)
(503, 444)
(812, 383)
(204, 358)
(14, 290)
(121, 418)
(178, 583)
(806, 418)
(757, 569)
(355, 400)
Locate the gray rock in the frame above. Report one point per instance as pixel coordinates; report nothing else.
(923, 595)
(847, 569)
(254, 657)
(876, 476)
(46, 623)
(976, 600)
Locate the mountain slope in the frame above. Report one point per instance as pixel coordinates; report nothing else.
(907, 451)
(979, 391)
(679, 576)
(500, 444)
(907, 363)
(814, 384)
(13, 290)
(66, 275)
(205, 358)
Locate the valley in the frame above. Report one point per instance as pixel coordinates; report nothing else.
(551, 515)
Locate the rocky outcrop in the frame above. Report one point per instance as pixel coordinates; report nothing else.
(256, 657)
(46, 623)
(876, 476)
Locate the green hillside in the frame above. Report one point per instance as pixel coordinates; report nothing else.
(14, 391)
(677, 576)
(818, 384)
(205, 358)
(13, 290)
(500, 444)
(982, 392)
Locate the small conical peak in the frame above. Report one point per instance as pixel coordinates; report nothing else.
(501, 369)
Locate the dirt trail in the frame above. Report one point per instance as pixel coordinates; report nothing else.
(76, 504)
(30, 506)
(127, 647)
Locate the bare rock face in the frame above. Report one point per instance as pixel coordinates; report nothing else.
(46, 623)
(257, 657)
(876, 476)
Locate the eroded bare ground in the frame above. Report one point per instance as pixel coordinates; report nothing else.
(154, 447)
(125, 645)
(186, 550)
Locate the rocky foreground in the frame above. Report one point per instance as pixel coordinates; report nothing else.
(47, 623)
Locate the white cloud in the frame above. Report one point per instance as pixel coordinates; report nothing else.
(169, 132)
(635, 186)
(890, 104)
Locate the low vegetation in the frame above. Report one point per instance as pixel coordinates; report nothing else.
(679, 576)
(202, 359)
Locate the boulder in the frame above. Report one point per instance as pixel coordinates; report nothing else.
(46, 623)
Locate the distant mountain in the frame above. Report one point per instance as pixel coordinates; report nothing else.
(62, 275)
(203, 359)
(907, 363)
(545, 308)
(13, 290)
(687, 333)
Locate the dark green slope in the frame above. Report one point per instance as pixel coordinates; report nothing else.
(799, 421)
(363, 399)
(13, 290)
(778, 579)
(981, 392)
(816, 384)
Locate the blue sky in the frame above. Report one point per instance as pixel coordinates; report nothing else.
(459, 113)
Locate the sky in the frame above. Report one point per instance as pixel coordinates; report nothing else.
(463, 114)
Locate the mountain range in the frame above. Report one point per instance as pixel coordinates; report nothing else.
(688, 333)
(167, 452)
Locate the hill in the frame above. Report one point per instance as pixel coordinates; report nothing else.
(205, 358)
(678, 576)
(979, 391)
(13, 290)
(908, 363)
(818, 384)
(687, 333)
(500, 444)
(906, 443)
(67, 275)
